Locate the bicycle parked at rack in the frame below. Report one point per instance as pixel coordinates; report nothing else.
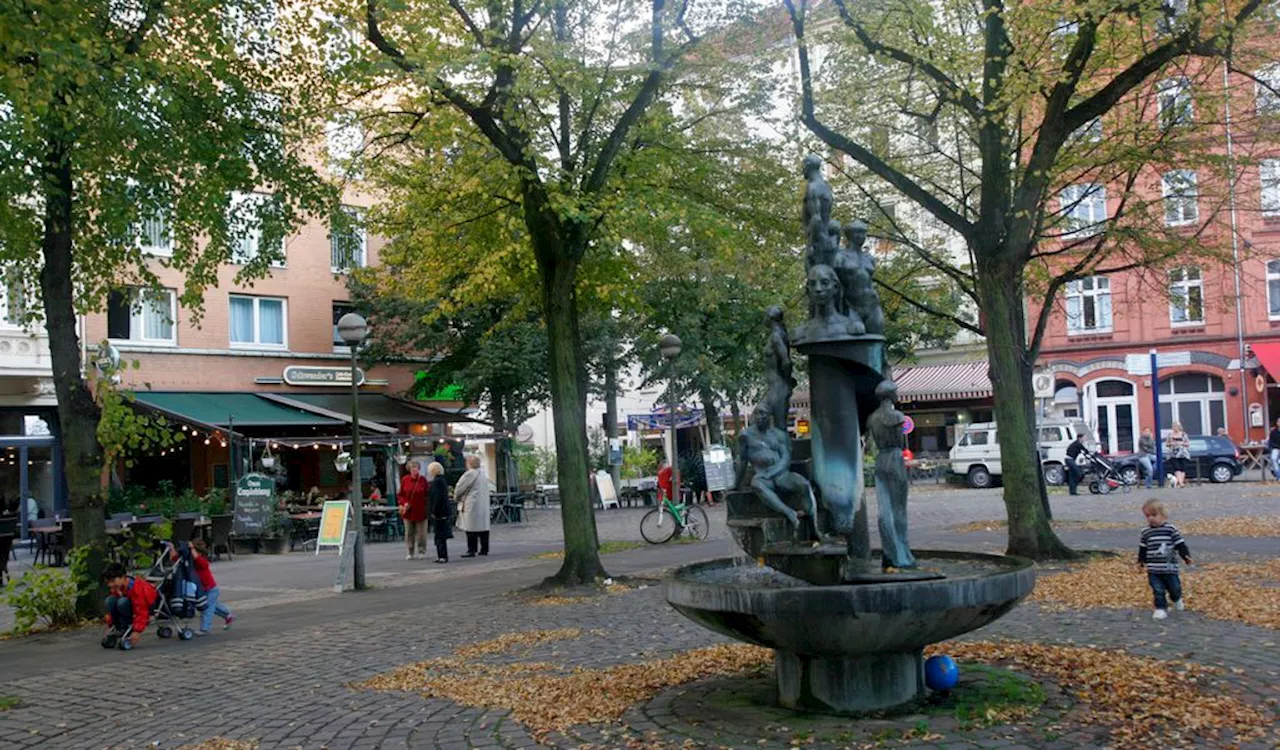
(663, 522)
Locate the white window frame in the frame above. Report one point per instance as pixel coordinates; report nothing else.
(344, 142)
(1171, 93)
(137, 317)
(1266, 100)
(257, 323)
(253, 230)
(1273, 300)
(7, 309)
(1182, 281)
(155, 251)
(1084, 208)
(1172, 192)
(1269, 188)
(358, 214)
(1092, 291)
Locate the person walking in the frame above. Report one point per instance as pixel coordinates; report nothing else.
(1147, 455)
(472, 495)
(1074, 473)
(438, 509)
(1179, 446)
(413, 509)
(1273, 443)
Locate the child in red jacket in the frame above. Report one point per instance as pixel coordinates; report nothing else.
(129, 604)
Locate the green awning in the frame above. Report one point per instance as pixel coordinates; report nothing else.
(381, 408)
(220, 409)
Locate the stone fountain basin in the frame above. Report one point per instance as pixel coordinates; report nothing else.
(756, 604)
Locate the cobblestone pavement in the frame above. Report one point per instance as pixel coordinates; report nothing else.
(282, 675)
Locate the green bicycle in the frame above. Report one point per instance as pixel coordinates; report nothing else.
(669, 518)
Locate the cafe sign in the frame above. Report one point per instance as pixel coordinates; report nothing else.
(321, 376)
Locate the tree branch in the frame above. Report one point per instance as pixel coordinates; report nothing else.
(931, 310)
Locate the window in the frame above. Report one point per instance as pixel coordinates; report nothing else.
(977, 437)
(1085, 209)
(345, 139)
(154, 236)
(1269, 177)
(1051, 435)
(340, 309)
(1273, 289)
(1180, 194)
(1171, 10)
(142, 315)
(347, 240)
(1090, 132)
(13, 300)
(1268, 85)
(1089, 305)
(257, 321)
(1186, 296)
(1194, 399)
(1173, 99)
(248, 226)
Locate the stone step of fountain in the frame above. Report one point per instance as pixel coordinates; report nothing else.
(754, 534)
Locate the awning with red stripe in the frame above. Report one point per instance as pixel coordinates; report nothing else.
(953, 382)
(1268, 354)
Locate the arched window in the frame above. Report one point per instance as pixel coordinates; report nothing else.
(1195, 399)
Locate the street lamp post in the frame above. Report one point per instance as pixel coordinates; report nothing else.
(353, 329)
(669, 346)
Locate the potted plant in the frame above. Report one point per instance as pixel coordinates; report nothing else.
(275, 534)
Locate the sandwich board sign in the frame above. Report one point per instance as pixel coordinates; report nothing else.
(253, 503)
(333, 525)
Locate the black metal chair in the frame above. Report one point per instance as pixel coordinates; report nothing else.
(62, 541)
(6, 546)
(305, 532)
(9, 525)
(184, 529)
(220, 535)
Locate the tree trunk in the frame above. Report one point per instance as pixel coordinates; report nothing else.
(714, 426)
(77, 411)
(736, 413)
(568, 413)
(1000, 289)
(502, 446)
(611, 412)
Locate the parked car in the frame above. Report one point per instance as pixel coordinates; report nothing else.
(976, 455)
(1213, 457)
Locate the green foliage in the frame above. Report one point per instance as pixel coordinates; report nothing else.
(123, 431)
(278, 526)
(140, 545)
(165, 500)
(638, 461)
(536, 465)
(46, 596)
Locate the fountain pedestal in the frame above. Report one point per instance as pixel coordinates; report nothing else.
(865, 684)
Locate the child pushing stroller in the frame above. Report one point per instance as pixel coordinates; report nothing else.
(170, 593)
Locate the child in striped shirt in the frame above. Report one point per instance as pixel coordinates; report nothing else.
(1160, 540)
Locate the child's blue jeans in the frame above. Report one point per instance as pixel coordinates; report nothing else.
(121, 611)
(1162, 583)
(215, 608)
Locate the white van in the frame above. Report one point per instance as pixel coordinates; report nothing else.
(976, 455)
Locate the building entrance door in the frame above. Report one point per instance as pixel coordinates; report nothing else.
(1114, 411)
(28, 466)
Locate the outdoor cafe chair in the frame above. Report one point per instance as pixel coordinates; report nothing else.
(6, 546)
(184, 528)
(220, 535)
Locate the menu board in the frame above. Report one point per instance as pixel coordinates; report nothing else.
(333, 524)
(717, 462)
(254, 503)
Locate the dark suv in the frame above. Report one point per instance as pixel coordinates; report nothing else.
(1212, 457)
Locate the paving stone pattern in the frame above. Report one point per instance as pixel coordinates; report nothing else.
(289, 688)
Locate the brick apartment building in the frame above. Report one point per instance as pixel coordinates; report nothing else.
(1215, 325)
(262, 370)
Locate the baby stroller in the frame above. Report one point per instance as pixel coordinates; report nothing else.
(181, 598)
(1106, 477)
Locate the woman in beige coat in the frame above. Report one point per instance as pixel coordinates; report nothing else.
(471, 493)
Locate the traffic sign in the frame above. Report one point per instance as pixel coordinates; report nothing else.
(908, 425)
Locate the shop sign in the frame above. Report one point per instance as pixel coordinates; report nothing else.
(254, 503)
(321, 376)
(802, 427)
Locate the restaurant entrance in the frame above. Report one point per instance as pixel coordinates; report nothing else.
(31, 484)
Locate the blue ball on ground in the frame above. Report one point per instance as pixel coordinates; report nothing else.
(941, 673)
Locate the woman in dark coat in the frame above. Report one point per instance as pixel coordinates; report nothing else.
(439, 510)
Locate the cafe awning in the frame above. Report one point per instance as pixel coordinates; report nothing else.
(1268, 355)
(225, 409)
(378, 407)
(953, 382)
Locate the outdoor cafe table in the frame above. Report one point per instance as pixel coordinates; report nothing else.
(1256, 456)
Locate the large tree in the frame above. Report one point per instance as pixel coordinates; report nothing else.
(125, 120)
(985, 117)
(534, 113)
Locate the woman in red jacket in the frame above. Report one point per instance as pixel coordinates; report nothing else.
(413, 509)
(129, 603)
